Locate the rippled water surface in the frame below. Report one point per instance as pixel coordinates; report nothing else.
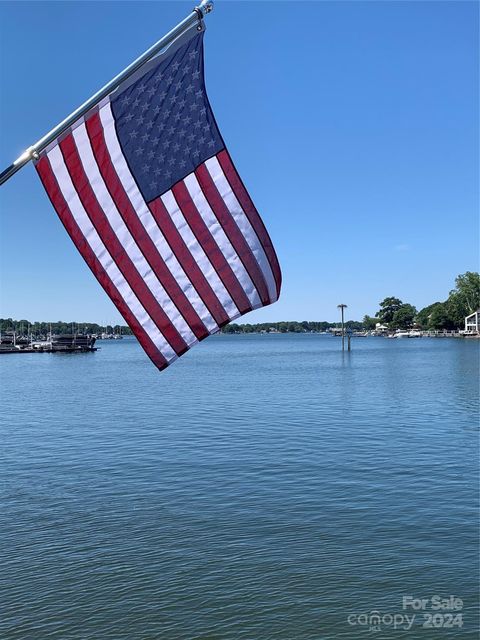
(263, 487)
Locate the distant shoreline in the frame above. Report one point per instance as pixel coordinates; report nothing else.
(24, 329)
(27, 327)
(13, 342)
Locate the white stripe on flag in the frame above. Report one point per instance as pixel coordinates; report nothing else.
(243, 223)
(223, 243)
(120, 229)
(88, 230)
(199, 255)
(148, 221)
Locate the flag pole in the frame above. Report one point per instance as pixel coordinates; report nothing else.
(197, 14)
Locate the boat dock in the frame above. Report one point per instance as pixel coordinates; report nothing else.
(56, 343)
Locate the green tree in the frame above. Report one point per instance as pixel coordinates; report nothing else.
(354, 325)
(440, 318)
(403, 317)
(388, 308)
(230, 328)
(465, 298)
(369, 323)
(423, 316)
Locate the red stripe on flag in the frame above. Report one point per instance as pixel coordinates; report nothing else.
(252, 214)
(210, 247)
(137, 230)
(187, 262)
(115, 248)
(58, 201)
(233, 233)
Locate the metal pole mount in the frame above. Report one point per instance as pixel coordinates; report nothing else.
(198, 13)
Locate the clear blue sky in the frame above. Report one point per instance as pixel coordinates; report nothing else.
(353, 124)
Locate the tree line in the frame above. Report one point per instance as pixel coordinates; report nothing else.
(293, 326)
(43, 328)
(450, 314)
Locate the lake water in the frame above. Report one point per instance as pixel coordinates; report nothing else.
(262, 487)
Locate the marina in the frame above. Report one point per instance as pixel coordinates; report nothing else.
(10, 343)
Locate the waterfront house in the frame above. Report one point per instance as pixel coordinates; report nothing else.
(472, 322)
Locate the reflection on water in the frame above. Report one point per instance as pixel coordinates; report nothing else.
(262, 487)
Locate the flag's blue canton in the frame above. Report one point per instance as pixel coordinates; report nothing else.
(165, 125)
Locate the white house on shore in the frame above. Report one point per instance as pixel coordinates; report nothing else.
(472, 322)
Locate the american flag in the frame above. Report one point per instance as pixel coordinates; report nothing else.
(148, 193)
